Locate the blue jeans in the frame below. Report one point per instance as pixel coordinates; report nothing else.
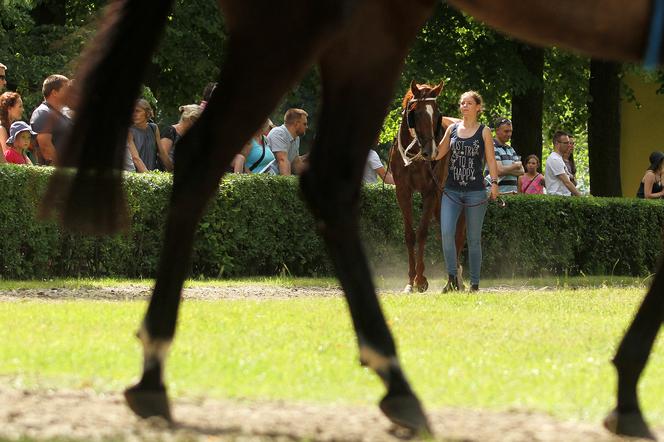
(474, 203)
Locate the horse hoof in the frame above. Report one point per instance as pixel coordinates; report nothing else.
(628, 424)
(408, 289)
(423, 287)
(406, 411)
(148, 403)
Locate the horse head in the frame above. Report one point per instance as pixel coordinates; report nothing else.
(423, 118)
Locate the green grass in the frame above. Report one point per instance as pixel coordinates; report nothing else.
(546, 351)
(383, 282)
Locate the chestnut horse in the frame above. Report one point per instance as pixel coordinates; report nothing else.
(360, 47)
(421, 130)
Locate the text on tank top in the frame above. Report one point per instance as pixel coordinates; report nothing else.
(466, 161)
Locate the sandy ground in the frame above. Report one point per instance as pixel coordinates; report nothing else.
(84, 415)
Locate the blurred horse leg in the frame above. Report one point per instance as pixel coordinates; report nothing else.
(359, 71)
(251, 83)
(631, 359)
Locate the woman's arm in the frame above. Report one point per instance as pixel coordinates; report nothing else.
(135, 157)
(519, 186)
(163, 152)
(490, 156)
(444, 145)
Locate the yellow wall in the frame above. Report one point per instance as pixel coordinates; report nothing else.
(642, 131)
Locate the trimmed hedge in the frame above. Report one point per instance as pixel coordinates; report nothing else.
(258, 225)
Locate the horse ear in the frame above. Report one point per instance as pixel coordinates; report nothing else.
(414, 89)
(436, 91)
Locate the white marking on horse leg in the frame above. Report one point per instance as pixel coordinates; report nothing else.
(379, 363)
(434, 152)
(154, 350)
(408, 288)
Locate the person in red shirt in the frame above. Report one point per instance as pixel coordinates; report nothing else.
(20, 137)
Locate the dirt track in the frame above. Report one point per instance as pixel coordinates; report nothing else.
(86, 416)
(83, 415)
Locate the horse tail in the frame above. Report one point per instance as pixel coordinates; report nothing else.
(107, 82)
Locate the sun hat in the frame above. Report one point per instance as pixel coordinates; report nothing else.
(655, 159)
(16, 128)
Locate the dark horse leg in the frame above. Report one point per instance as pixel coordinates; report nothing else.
(631, 358)
(405, 200)
(358, 72)
(249, 88)
(428, 206)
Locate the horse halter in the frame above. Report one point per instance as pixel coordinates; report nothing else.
(406, 154)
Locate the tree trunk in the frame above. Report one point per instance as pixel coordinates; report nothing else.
(527, 105)
(604, 128)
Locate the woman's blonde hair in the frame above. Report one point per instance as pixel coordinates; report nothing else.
(143, 104)
(190, 112)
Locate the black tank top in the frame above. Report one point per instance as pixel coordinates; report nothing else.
(466, 161)
(656, 187)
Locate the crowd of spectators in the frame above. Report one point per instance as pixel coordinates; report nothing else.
(273, 149)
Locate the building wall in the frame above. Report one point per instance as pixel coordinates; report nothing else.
(642, 131)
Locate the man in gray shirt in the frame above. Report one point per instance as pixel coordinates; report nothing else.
(284, 141)
(49, 119)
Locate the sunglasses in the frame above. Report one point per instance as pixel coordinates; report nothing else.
(503, 121)
(3, 77)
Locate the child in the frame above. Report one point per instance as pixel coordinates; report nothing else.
(532, 182)
(20, 137)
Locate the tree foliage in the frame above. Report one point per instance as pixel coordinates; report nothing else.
(41, 37)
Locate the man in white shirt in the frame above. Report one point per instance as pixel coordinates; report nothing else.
(374, 168)
(557, 176)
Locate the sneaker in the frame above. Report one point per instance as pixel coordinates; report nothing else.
(474, 287)
(452, 284)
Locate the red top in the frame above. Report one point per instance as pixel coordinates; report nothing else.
(534, 188)
(14, 157)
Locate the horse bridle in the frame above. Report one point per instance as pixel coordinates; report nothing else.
(406, 154)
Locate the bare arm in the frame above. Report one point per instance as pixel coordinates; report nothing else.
(515, 169)
(448, 121)
(603, 28)
(385, 176)
(238, 163)
(444, 145)
(566, 181)
(163, 152)
(135, 157)
(519, 182)
(490, 156)
(166, 144)
(46, 147)
(300, 163)
(283, 163)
